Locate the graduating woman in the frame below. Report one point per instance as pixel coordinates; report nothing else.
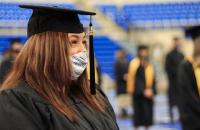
(189, 85)
(141, 85)
(47, 88)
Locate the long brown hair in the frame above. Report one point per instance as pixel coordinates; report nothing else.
(45, 65)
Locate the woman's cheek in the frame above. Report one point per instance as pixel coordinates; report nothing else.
(73, 51)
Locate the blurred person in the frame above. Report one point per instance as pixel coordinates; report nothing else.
(48, 88)
(15, 43)
(8, 58)
(120, 71)
(173, 60)
(141, 84)
(189, 84)
(6, 53)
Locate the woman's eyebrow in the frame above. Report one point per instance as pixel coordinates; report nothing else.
(74, 36)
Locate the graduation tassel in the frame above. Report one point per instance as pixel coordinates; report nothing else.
(92, 66)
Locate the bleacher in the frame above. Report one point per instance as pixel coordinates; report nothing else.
(105, 49)
(11, 11)
(11, 14)
(176, 14)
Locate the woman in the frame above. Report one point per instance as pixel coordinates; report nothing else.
(47, 88)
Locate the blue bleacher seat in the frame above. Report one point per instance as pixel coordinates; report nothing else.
(128, 14)
(152, 11)
(11, 12)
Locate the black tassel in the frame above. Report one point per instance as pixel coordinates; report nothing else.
(92, 66)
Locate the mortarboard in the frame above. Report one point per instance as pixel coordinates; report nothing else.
(141, 47)
(192, 32)
(45, 18)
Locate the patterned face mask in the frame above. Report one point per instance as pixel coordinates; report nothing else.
(79, 64)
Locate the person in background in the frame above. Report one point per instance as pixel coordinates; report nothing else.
(6, 54)
(141, 84)
(189, 84)
(173, 60)
(9, 57)
(120, 71)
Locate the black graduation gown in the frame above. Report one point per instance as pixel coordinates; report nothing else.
(121, 68)
(143, 107)
(5, 67)
(21, 108)
(189, 105)
(173, 60)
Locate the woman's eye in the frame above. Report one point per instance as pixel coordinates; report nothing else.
(84, 42)
(73, 42)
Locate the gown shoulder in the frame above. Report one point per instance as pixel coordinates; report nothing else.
(18, 109)
(21, 107)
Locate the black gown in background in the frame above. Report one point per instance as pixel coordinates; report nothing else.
(173, 61)
(143, 107)
(5, 67)
(189, 105)
(121, 68)
(21, 108)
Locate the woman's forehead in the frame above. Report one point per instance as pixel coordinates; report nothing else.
(78, 35)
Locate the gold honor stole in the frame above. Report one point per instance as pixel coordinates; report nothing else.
(149, 75)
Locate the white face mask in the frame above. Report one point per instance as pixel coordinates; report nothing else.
(79, 64)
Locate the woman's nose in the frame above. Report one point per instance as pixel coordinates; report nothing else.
(81, 47)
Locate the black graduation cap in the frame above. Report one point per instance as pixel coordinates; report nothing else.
(192, 32)
(59, 19)
(141, 47)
